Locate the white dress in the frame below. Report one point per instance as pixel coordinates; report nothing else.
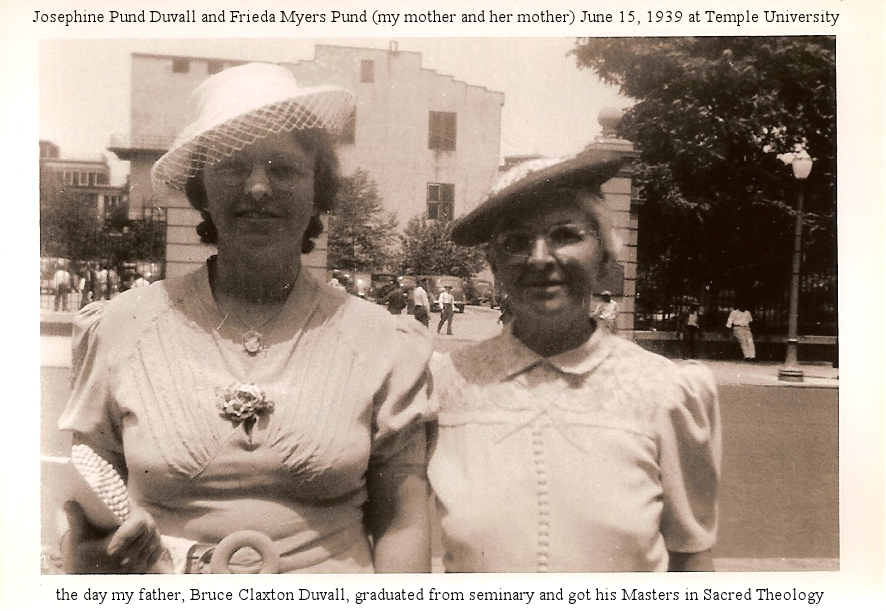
(603, 458)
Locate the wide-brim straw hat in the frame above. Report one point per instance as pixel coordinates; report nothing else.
(238, 106)
(520, 188)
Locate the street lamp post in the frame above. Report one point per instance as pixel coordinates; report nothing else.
(790, 371)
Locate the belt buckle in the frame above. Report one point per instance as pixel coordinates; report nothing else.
(220, 556)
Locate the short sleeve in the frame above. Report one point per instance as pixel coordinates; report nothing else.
(690, 454)
(403, 405)
(90, 412)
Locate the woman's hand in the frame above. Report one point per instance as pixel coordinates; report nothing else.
(133, 548)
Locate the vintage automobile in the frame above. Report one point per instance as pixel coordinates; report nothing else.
(480, 292)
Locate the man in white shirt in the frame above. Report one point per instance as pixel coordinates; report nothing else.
(606, 313)
(739, 321)
(61, 282)
(422, 304)
(447, 304)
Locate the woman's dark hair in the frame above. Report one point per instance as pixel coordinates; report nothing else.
(326, 184)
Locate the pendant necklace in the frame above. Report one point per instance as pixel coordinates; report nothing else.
(253, 340)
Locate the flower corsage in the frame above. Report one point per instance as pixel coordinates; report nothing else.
(243, 403)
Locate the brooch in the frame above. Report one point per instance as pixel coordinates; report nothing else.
(243, 403)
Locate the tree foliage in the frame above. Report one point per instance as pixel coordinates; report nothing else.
(361, 234)
(710, 118)
(70, 227)
(427, 249)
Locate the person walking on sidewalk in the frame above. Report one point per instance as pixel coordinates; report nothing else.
(606, 312)
(446, 302)
(690, 322)
(739, 321)
(421, 303)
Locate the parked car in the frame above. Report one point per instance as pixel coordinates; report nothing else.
(435, 287)
(480, 292)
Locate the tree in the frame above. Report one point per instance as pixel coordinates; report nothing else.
(361, 234)
(711, 116)
(69, 223)
(427, 250)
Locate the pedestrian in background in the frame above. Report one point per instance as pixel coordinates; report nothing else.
(86, 285)
(739, 321)
(506, 314)
(61, 283)
(688, 328)
(394, 299)
(607, 312)
(100, 292)
(447, 309)
(422, 304)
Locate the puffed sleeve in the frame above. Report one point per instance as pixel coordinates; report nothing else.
(403, 405)
(90, 410)
(690, 451)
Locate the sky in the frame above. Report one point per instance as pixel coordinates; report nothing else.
(551, 105)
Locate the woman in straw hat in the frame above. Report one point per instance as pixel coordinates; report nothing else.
(262, 420)
(590, 453)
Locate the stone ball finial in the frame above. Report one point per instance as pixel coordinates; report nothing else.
(609, 118)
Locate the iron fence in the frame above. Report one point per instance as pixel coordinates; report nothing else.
(817, 313)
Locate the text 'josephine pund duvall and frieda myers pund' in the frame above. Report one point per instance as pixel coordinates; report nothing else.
(332, 17)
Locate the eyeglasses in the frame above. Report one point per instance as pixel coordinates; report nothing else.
(281, 173)
(518, 243)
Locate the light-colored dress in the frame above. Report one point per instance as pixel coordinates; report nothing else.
(598, 459)
(350, 390)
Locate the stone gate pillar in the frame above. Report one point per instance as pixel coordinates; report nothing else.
(622, 201)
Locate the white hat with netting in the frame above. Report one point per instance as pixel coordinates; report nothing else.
(238, 106)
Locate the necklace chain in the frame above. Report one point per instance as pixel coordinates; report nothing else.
(253, 339)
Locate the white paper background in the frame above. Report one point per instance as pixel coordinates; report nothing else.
(860, 52)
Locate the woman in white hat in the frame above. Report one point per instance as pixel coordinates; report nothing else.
(261, 419)
(590, 454)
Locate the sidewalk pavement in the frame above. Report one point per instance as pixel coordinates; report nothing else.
(55, 351)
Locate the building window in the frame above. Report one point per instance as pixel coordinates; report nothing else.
(441, 201)
(215, 66)
(442, 130)
(180, 65)
(102, 179)
(367, 71)
(348, 133)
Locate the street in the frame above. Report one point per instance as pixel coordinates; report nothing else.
(779, 500)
